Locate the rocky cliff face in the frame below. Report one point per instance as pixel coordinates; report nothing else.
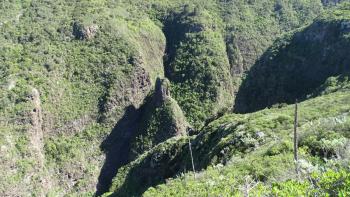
(162, 91)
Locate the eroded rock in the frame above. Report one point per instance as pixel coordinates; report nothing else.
(162, 92)
(82, 32)
(140, 86)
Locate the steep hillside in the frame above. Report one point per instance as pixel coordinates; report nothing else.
(299, 63)
(89, 89)
(197, 64)
(68, 70)
(262, 139)
(158, 119)
(252, 153)
(210, 45)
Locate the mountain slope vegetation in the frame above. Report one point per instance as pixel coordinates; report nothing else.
(298, 64)
(262, 139)
(324, 153)
(102, 96)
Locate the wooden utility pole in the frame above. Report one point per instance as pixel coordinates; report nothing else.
(190, 147)
(296, 137)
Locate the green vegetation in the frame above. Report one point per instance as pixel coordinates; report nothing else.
(298, 65)
(158, 124)
(210, 46)
(197, 65)
(82, 83)
(262, 140)
(77, 105)
(217, 181)
(329, 183)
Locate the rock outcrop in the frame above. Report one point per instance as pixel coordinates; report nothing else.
(162, 91)
(161, 118)
(140, 86)
(82, 32)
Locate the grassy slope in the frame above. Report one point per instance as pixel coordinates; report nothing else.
(270, 158)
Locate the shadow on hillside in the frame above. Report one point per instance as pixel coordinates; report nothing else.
(295, 67)
(116, 147)
(170, 161)
(154, 169)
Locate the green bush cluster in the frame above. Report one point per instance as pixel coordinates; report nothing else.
(329, 183)
(325, 144)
